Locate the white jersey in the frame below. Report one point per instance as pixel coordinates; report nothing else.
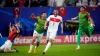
(54, 23)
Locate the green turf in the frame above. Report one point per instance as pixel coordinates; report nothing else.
(59, 50)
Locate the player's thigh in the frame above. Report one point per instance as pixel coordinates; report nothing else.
(39, 37)
(48, 34)
(34, 35)
(87, 32)
(80, 31)
(8, 45)
(90, 31)
(2, 47)
(52, 35)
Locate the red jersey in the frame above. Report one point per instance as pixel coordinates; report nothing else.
(12, 35)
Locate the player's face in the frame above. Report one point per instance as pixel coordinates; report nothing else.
(13, 28)
(44, 15)
(55, 12)
(82, 9)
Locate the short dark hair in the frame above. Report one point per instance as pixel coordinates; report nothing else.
(83, 7)
(43, 12)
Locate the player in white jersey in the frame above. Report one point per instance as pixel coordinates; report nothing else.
(53, 21)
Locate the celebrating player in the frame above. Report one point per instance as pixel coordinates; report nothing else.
(86, 24)
(6, 47)
(38, 32)
(53, 21)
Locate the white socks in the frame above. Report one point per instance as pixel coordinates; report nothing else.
(35, 47)
(31, 47)
(78, 46)
(47, 46)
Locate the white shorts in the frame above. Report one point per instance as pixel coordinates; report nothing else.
(7, 44)
(38, 36)
(51, 35)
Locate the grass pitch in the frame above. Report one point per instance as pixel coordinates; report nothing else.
(59, 50)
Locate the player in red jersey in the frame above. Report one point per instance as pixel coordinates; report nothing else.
(6, 47)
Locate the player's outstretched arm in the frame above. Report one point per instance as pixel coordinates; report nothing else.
(33, 16)
(18, 30)
(74, 18)
(10, 26)
(47, 21)
(45, 25)
(62, 27)
(91, 20)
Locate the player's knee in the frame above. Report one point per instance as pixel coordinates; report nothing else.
(0, 49)
(38, 40)
(33, 40)
(5, 50)
(34, 37)
(51, 40)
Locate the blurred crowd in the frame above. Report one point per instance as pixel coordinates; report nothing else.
(48, 3)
